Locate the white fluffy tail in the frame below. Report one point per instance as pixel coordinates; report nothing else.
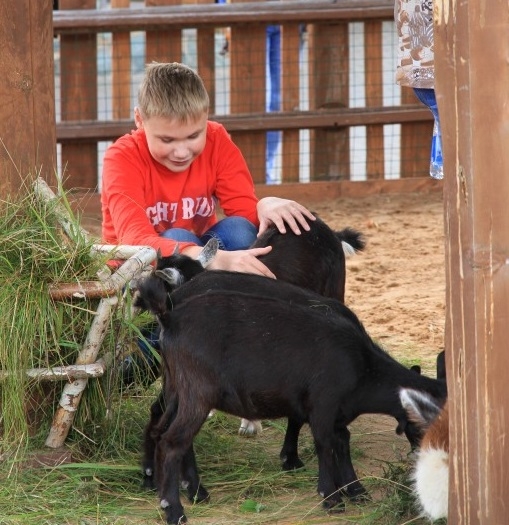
(431, 481)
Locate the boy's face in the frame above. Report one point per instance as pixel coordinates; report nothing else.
(173, 144)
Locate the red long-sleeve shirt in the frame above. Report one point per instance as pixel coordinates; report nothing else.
(141, 198)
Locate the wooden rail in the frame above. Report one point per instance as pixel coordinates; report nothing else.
(211, 15)
(343, 117)
(328, 119)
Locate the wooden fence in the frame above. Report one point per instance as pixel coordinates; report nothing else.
(327, 119)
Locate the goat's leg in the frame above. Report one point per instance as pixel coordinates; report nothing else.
(175, 445)
(289, 453)
(196, 492)
(323, 434)
(150, 440)
(346, 478)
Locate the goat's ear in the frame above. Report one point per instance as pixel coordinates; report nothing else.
(209, 252)
(420, 407)
(176, 251)
(172, 276)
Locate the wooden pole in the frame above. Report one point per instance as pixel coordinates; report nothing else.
(329, 67)
(27, 92)
(373, 46)
(247, 89)
(79, 100)
(121, 69)
(472, 79)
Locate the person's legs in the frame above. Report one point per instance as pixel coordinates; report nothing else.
(428, 98)
(233, 233)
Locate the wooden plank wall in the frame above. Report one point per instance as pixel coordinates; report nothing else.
(27, 92)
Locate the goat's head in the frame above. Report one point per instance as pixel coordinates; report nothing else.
(178, 268)
(153, 291)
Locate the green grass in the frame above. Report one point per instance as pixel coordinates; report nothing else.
(243, 476)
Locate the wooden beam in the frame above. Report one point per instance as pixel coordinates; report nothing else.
(471, 50)
(27, 110)
(227, 15)
(285, 120)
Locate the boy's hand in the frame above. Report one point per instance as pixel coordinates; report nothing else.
(277, 211)
(245, 261)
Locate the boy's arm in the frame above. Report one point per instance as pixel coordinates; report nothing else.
(125, 219)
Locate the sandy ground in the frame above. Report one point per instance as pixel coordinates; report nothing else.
(397, 285)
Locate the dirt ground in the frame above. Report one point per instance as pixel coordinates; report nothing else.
(397, 284)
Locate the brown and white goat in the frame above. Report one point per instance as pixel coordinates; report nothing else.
(431, 472)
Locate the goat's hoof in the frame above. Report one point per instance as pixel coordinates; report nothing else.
(250, 428)
(294, 464)
(148, 483)
(333, 506)
(358, 494)
(173, 517)
(198, 496)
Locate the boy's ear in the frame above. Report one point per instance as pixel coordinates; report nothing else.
(138, 120)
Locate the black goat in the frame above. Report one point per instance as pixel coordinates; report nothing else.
(315, 259)
(257, 356)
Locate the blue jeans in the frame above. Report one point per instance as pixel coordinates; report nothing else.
(233, 233)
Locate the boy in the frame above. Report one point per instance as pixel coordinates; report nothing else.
(161, 182)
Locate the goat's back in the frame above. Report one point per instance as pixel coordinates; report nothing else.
(315, 259)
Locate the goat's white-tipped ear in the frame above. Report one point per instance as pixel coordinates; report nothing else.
(209, 252)
(420, 406)
(172, 276)
(176, 250)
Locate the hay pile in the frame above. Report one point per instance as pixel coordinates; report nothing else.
(36, 331)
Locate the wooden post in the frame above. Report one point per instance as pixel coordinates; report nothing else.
(121, 69)
(415, 141)
(206, 56)
(79, 100)
(472, 79)
(27, 92)
(247, 89)
(290, 96)
(330, 148)
(375, 168)
(163, 46)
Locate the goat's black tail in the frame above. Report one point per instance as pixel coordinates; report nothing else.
(352, 240)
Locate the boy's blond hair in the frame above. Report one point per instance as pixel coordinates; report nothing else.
(172, 90)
